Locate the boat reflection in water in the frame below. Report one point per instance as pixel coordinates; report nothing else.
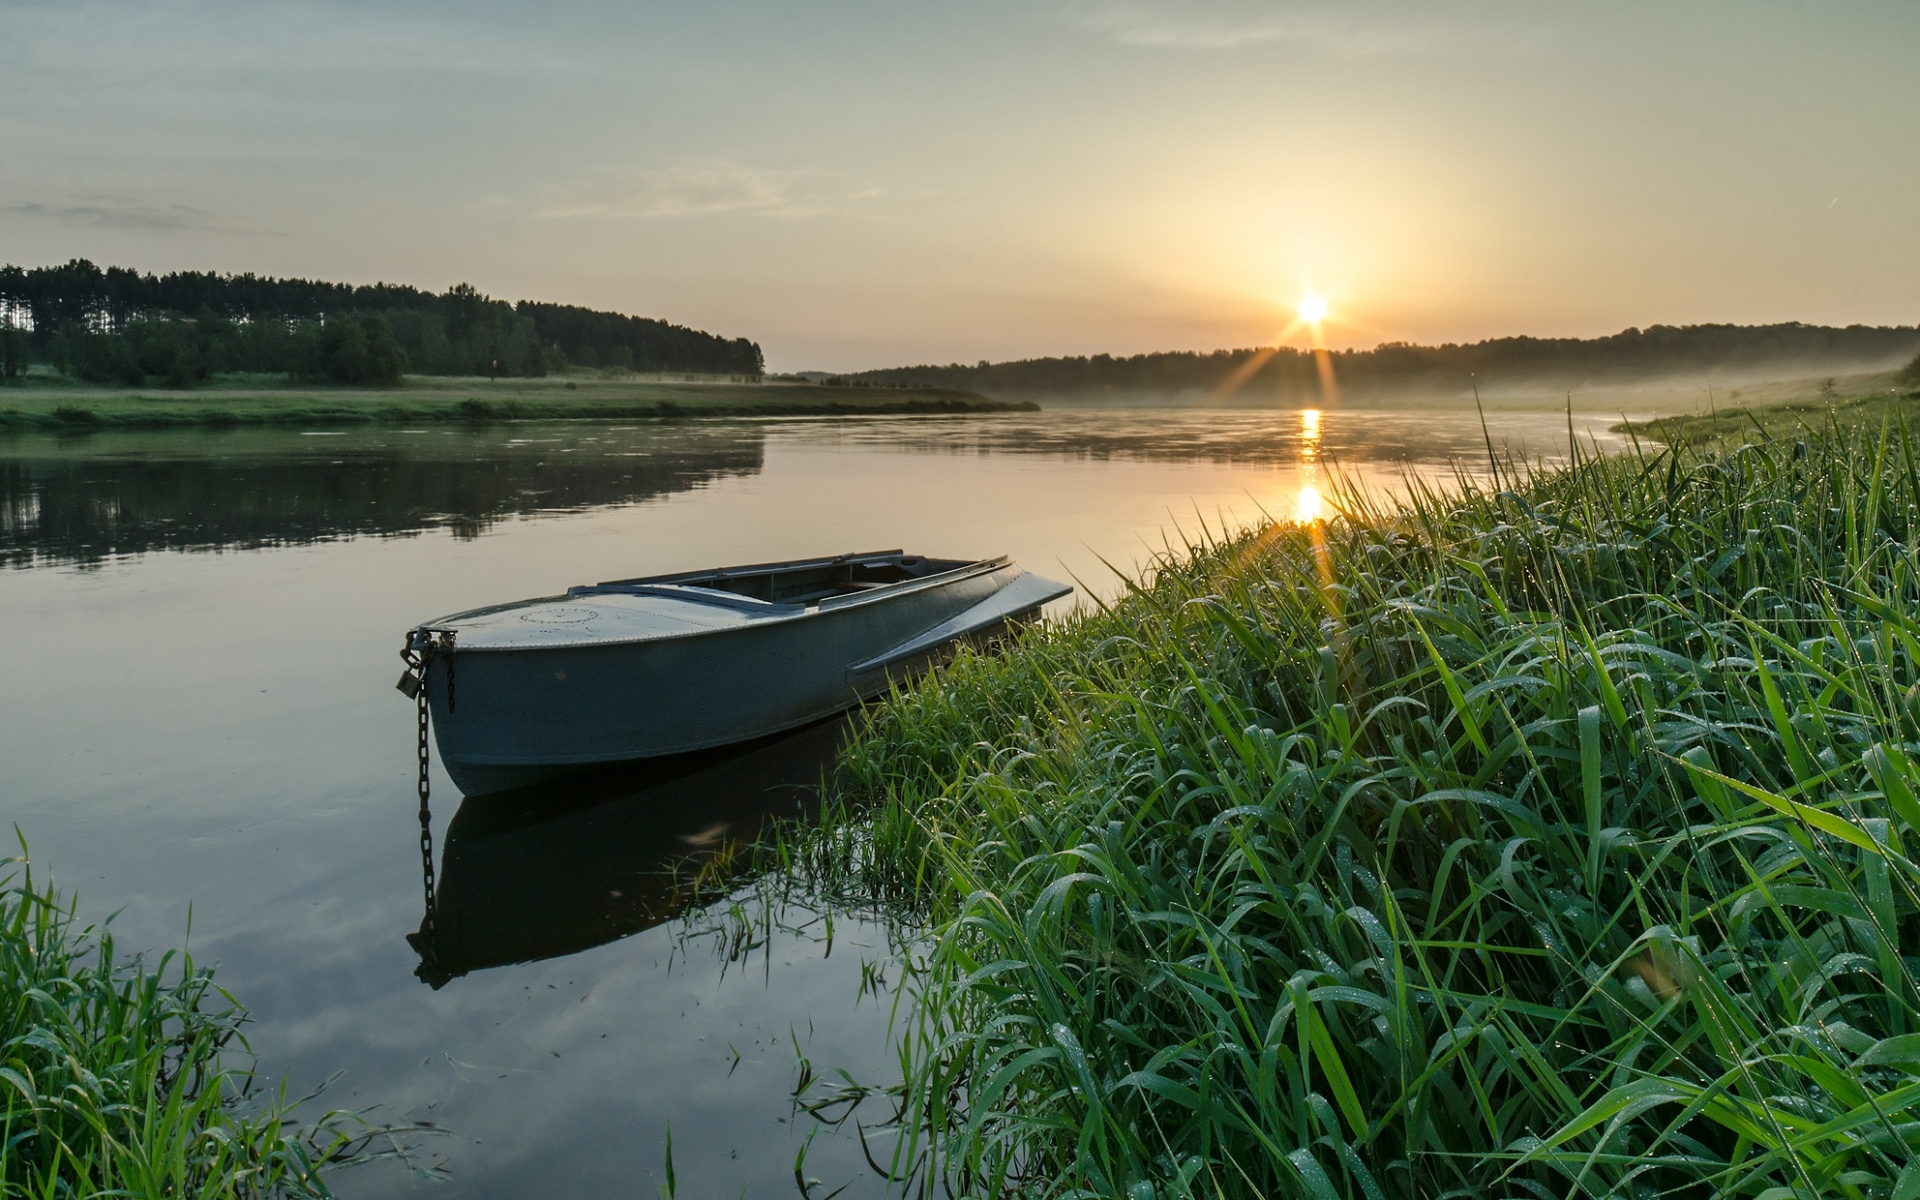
(564, 867)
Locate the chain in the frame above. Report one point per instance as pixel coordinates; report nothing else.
(426, 812)
(429, 643)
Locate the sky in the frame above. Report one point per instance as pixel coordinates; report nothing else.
(873, 184)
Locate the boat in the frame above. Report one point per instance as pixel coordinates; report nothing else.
(636, 669)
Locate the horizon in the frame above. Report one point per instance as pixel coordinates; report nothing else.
(1279, 345)
(855, 188)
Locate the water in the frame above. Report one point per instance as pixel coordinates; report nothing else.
(201, 733)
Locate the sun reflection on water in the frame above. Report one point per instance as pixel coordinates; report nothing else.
(1309, 508)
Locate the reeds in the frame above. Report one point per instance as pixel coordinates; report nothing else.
(115, 1075)
(1543, 839)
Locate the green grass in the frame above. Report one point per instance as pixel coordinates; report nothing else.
(1551, 839)
(422, 399)
(116, 1075)
(1788, 411)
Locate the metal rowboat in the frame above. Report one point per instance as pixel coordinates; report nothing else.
(642, 668)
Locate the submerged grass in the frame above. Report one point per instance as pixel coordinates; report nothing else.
(1544, 839)
(116, 1079)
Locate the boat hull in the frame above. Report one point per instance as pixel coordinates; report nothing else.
(510, 718)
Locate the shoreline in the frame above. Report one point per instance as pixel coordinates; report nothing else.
(73, 409)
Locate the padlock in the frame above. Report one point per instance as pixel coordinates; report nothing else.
(409, 685)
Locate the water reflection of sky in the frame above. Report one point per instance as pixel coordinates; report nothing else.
(219, 731)
(93, 498)
(84, 499)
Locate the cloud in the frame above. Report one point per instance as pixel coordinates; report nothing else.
(119, 212)
(685, 189)
(1192, 27)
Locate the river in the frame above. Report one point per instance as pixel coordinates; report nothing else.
(200, 733)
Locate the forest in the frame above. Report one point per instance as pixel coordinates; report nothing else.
(116, 325)
(1633, 354)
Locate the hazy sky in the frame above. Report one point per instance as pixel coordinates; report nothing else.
(871, 184)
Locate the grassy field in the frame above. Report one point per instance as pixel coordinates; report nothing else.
(423, 399)
(1544, 839)
(117, 1076)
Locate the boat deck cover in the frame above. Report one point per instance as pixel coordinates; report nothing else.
(638, 615)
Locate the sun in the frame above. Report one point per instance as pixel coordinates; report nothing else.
(1313, 309)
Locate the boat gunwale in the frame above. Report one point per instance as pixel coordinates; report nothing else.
(783, 615)
(791, 564)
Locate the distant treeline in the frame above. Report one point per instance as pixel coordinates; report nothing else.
(1632, 354)
(117, 325)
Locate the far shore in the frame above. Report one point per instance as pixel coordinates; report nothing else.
(1664, 395)
(1784, 409)
(424, 399)
(1663, 410)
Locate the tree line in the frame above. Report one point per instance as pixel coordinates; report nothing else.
(116, 325)
(1622, 357)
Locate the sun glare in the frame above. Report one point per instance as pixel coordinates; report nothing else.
(1309, 509)
(1313, 309)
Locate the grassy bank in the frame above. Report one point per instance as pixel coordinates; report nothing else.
(116, 1075)
(1788, 411)
(426, 400)
(1545, 840)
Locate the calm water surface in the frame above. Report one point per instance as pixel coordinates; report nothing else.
(200, 732)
